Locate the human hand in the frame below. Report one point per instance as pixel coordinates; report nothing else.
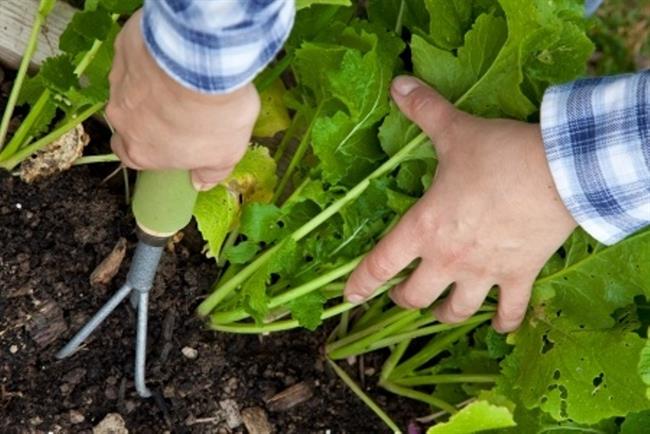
(492, 216)
(160, 124)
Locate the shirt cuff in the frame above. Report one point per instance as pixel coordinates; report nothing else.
(215, 47)
(597, 138)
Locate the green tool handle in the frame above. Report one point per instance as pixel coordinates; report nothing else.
(163, 201)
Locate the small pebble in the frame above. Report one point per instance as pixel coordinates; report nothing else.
(231, 413)
(190, 353)
(35, 421)
(19, 206)
(76, 417)
(13, 349)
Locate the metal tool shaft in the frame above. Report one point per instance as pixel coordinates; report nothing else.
(138, 283)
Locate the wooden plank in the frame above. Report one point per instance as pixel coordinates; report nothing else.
(16, 17)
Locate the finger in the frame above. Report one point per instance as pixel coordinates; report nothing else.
(390, 256)
(424, 106)
(463, 302)
(421, 289)
(117, 145)
(513, 303)
(205, 179)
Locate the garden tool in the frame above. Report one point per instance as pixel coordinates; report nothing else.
(162, 205)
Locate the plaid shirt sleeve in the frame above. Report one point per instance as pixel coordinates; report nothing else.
(597, 138)
(215, 46)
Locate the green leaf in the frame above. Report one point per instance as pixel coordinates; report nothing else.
(254, 295)
(84, 29)
(216, 213)
(450, 19)
(241, 253)
(260, 222)
(57, 73)
(274, 116)
(301, 4)
(644, 366)
(636, 423)
(122, 7)
(396, 131)
(360, 82)
(307, 309)
(497, 345)
(387, 13)
(476, 417)
(454, 75)
(254, 177)
(573, 358)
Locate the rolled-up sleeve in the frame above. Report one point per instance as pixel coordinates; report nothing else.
(215, 46)
(597, 138)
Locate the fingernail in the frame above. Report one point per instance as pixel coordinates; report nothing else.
(404, 85)
(201, 186)
(355, 298)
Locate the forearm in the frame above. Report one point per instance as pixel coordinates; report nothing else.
(215, 46)
(597, 138)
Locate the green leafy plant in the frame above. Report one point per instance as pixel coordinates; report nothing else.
(70, 87)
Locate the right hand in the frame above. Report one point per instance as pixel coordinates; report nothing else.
(159, 124)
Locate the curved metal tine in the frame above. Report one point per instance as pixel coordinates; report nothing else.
(141, 345)
(94, 322)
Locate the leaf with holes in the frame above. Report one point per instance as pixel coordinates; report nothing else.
(573, 358)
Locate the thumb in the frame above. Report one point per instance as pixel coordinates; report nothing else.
(424, 106)
(206, 178)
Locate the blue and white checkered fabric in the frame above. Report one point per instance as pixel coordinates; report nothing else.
(597, 137)
(216, 46)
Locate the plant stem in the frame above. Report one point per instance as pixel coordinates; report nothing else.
(437, 345)
(289, 324)
(362, 345)
(92, 159)
(419, 396)
(363, 396)
(266, 78)
(425, 380)
(22, 133)
(286, 139)
(25, 152)
(392, 340)
(220, 293)
(297, 157)
(392, 360)
(22, 71)
(239, 314)
(396, 315)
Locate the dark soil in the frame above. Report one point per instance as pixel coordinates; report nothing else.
(52, 236)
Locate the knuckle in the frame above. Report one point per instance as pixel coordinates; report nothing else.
(411, 298)
(420, 102)
(461, 310)
(378, 268)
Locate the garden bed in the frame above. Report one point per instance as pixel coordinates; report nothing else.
(53, 235)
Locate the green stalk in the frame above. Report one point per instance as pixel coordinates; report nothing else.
(364, 397)
(297, 157)
(396, 315)
(373, 314)
(22, 133)
(361, 345)
(392, 340)
(25, 152)
(266, 78)
(419, 396)
(239, 314)
(437, 345)
(426, 380)
(286, 139)
(213, 299)
(92, 159)
(44, 9)
(392, 360)
(288, 324)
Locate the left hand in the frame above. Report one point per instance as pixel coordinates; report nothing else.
(492, 216)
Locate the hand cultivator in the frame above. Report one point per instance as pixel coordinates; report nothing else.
(162, 205)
